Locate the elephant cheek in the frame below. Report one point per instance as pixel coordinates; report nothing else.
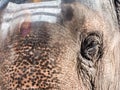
(68, 76)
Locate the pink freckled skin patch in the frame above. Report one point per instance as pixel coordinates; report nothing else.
(25, 28)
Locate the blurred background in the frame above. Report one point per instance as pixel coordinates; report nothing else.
(27, 1)
(33, 1)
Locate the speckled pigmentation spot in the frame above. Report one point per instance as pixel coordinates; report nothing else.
(31, 67)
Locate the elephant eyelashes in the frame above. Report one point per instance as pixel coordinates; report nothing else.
(91, 46)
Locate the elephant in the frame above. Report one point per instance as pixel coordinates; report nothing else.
(75, 53)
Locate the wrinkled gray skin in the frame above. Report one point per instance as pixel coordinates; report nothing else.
(69, 55)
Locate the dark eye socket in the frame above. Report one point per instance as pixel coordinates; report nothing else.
(88, 42)
(91, 46)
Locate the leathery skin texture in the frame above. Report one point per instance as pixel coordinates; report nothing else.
(53, 56)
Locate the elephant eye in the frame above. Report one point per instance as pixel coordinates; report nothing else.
(91, 46)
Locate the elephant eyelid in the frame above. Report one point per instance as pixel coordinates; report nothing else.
(91, 46)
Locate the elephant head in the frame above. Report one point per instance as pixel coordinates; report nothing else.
(72, 54)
